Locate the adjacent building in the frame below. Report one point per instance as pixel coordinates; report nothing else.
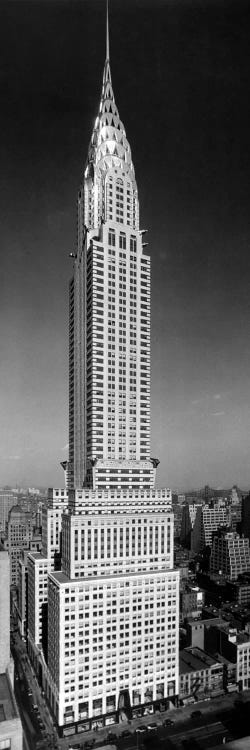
(19, 535)
(191, 601)
(38, 567)
(201, 675)
(11, 735)
(235, 646)
(230, 554)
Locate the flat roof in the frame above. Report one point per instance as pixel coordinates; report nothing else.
(193, 659)
(205, 621)
(7, 705)
(37, 555)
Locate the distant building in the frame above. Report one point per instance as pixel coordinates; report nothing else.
(207, 520)
(230, 554)
(235, 516)
(7, 500)
(234, 495)
(19, 535)
(240, 590)
(200, 675)
(177, 511)
(245, 516)
(189, 511)
(181, 499)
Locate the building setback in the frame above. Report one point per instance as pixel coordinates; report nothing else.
(113, 608)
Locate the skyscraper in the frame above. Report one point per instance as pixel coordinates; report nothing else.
(113, 608)
(109, 406)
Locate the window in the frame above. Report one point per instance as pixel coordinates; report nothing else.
(133, 243)
(5, 744)
(122, 241)
(111, 237)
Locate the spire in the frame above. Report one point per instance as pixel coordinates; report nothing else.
(107, 32)
(108, 146)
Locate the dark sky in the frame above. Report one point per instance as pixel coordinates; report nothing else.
(180, 72)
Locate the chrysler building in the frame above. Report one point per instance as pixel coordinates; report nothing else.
(109, 403)
(113, 608)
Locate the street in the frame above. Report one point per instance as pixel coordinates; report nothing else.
(36, 719)
(220, 718)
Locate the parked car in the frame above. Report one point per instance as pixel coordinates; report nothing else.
(168, 723)
(141, 729)
(126, 733)
(152, 726)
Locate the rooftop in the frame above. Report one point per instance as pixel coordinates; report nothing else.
(37, 556)
(195, 660)
(7, 705)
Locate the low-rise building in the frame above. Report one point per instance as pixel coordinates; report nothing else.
(200, 675)
(234, 646)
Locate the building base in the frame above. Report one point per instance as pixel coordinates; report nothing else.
(122, 716)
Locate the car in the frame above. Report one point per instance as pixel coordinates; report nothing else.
(111, 737)
(168, 723)
(126, 733)
(152, 726)
(141, 729)
(196, 714)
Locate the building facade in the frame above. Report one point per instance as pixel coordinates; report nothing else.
(113, 608)
(201, 675)
(38, 567)
(19, 536)
(230, 554)
(207, 520)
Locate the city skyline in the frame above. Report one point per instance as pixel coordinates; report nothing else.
(198, 180)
